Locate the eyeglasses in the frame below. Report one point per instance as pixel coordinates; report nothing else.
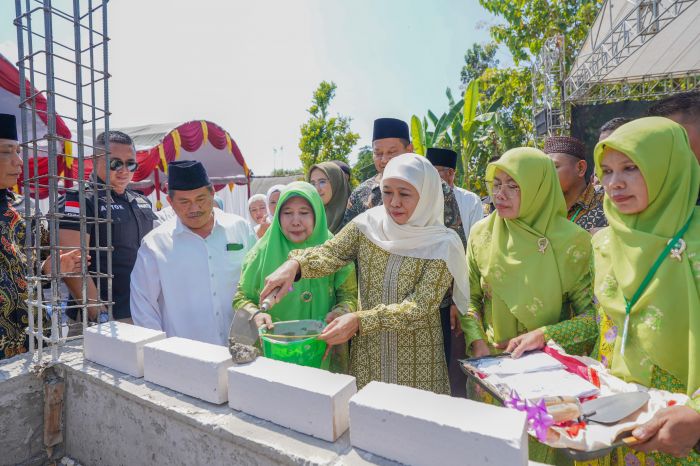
(508, 190)
(117, 164)
(319, 184)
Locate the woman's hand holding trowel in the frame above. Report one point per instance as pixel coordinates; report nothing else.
(262, 318)
(281, 281)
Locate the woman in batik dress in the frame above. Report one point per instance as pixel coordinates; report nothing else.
(406, 261)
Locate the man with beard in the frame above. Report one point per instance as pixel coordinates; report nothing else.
(187, 269)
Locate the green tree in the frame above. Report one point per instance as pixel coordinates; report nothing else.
(528, 23)
(472, 127)
(325, 137)
(477, 60)
(364, 168)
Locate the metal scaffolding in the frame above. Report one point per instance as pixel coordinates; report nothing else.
(62, 53)
(548, 99)
(642, 88)
(613, 39)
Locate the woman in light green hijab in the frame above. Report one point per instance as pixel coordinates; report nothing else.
(647, 272)
(651, 179)
(529, 267)
(299, 223)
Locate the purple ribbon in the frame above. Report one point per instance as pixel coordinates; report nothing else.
(538, 419)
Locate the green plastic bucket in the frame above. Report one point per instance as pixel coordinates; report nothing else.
(295, 341)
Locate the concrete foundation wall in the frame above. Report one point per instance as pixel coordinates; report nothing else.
(21, 417)
(111, 427)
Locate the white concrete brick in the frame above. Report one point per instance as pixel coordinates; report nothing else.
(191, 367)
(417, 427)
(305, 399)
(119, 346)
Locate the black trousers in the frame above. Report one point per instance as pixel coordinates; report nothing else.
(446, 333)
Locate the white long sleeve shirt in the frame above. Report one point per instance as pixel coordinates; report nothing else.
(184, 284)
(470, 208)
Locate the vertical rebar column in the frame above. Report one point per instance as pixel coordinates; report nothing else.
(57, 73)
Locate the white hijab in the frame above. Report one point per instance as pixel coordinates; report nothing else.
(278, 188)
(425, 235)
(251, 200)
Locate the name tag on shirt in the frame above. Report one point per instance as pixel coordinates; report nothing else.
(234, 246)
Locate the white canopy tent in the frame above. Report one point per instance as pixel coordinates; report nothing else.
(633, 40)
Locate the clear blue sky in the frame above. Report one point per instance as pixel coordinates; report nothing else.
(252, 66)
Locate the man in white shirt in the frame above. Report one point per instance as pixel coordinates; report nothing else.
(188, 268)
(470, 208)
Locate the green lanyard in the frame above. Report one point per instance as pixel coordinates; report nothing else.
(652, 271)
(573, 218)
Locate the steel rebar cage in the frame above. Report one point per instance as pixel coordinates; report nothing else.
(63, 56)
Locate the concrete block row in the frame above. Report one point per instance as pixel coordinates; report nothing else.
(441, 429)
(191, 367)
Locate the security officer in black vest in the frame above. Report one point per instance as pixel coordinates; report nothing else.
(132, 219)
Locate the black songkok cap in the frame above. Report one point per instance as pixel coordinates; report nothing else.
(8, 127)
(385, 128)
(442, 157)
(565, 145)
(187, 175)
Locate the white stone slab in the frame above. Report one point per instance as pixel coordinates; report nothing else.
(419, 428)
(191, 367)
(305, 399)
(119, 346)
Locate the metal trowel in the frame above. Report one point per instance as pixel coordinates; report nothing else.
(604, 410)
(243, 333)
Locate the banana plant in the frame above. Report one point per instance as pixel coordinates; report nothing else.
(422, 138)
(470, 127)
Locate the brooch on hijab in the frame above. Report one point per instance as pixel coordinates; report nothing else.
(306, 296)
(678, 250)
(542, 244)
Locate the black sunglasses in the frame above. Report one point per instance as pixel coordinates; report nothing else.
(117, 164)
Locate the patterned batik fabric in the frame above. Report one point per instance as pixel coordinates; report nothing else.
(588, 209)
(13, 273)
(400, 336)
(369, 194)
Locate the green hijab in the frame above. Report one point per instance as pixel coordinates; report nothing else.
(311, 298)
(538, 256)
(664, 326)
(341, 192)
